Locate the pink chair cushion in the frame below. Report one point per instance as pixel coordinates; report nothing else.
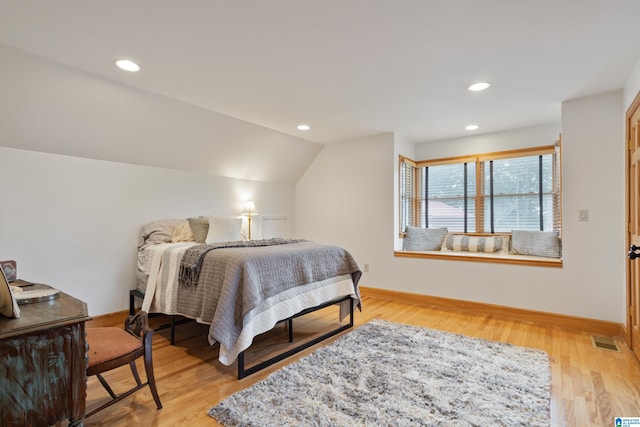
(106, 344)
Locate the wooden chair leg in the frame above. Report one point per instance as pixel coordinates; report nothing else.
(148, 367)
(106, 386)
(134, 371)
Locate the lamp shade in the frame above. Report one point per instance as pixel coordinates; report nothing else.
(249, 209)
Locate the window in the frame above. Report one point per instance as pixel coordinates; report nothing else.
(484, 193)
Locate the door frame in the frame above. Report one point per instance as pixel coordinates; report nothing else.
(628, 327)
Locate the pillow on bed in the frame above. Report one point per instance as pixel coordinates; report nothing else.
(224, 230)
(183, 233)
(159, 231)
(423, 239)
(199, 228)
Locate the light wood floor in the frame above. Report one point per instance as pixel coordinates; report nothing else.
(589, 386)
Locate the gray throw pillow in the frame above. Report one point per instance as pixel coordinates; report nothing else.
(536, 243)
(423, 239)
(200, 228)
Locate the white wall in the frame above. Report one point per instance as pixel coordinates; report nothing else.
(361, 216)
(632, 87)
(528, 137)
(594, 179)
(49, 107)
(73, 223)
(345, 198)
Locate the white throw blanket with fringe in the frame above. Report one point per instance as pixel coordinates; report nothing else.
(160, 295)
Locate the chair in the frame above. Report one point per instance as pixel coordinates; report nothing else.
(111, 347)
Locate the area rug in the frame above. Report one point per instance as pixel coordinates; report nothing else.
(390, 374)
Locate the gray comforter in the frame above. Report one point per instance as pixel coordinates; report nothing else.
(234, 282)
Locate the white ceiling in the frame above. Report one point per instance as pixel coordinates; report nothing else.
(346, 67)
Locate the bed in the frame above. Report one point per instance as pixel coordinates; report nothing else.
(242, 288)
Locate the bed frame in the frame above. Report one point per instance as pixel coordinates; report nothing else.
(244, 371)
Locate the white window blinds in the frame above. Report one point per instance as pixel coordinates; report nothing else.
(495, 192)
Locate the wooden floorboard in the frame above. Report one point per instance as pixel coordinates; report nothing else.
(589, 386)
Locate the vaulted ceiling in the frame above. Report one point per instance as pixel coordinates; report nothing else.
(347, 68)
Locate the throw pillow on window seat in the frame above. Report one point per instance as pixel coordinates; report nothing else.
(481, 244)
(536, 243)
(423, 239)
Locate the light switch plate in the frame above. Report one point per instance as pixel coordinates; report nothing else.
(583, 215)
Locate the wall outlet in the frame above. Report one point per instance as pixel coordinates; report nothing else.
(365, 267)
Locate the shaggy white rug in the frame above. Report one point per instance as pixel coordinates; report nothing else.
(389, 374)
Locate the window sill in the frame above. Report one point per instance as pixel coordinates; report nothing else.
(482, 257)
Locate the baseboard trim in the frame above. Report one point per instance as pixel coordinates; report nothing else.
(544, 318)
(110, 319)
(540, 317)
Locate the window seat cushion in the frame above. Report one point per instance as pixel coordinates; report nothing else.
(518, 247)
(504, 258)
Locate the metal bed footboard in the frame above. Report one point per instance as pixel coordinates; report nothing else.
(244, 371)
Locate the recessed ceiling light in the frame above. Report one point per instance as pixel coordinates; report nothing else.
(471, 127)
(127, 65)
(476, 87)
(304, 127)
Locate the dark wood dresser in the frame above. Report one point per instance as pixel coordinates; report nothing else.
(43, 364)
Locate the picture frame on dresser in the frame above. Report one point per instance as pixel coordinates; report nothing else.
(8, 304)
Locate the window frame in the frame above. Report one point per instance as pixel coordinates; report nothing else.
(479, 198)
